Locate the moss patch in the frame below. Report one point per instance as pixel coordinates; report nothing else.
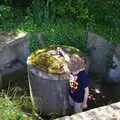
(48, 60)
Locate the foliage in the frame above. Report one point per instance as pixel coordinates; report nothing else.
(99, 16)
(59, 9)
(15, 21)
(74, 10)
(62, 34)
(16, 3)
(104, 19)
(35, 41)
(10, 109)
(5, 13)
(15, 88)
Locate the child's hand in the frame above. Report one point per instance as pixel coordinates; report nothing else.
(66, 69)
(83, 105)
(60, 50)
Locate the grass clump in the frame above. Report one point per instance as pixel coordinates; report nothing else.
(10, 109)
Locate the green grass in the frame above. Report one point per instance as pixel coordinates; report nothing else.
(65, 31)
(10, 109)
(15, 98)
(59, 33)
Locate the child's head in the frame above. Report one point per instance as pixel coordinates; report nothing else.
(76, 63)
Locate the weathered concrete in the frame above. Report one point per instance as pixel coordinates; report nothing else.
(114, 73)
(50, 91)
(7, 55)
(13, 51)
(22, 50)
(117, 51)
(104, 58)
(100, 53)
(110, 112)
(12, 48)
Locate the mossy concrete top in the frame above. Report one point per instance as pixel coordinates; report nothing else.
(49, 60)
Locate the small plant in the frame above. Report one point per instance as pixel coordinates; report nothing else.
(11, 106)
(10, 110)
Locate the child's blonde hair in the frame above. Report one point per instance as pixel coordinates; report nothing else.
(76, 63)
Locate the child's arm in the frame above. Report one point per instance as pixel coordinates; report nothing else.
(84, 104)
(86, 95)
(66, 57)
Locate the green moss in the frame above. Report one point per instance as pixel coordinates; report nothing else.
(45, 60)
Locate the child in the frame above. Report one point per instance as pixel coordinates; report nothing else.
(78, 79)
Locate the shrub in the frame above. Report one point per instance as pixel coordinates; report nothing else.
(10, 109)
(62, 34)
(54, 10)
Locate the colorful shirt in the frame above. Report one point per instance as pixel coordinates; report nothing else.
(77, 86)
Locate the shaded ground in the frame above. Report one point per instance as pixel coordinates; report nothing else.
(102, 92)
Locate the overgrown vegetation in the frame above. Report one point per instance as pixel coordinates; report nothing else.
(57, 18)
(10, 107)
(62, 34)
(104, 19)
(15, 100)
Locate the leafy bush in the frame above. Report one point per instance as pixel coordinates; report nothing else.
(5, 13)
(62, 34)
(10, 109)
(104, 19)
(16, 3)
(15, 21)
(74, 10)
(59, 9)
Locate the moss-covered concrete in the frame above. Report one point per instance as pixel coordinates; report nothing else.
(49, 60)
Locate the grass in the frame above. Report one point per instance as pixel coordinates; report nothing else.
(15, 101)
(59, 31)
(10, 108)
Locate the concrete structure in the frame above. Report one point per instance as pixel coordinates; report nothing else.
(13, 48)
(100, 52)
(114, 72)
(110, 112)
(14, 51)
(50, 91)
(104, 58)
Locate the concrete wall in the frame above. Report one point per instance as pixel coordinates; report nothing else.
(100, 50)
(16, 48)
(109, 112)
(104, 58)
(114, 72)
(7, 55)
(22, 50)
